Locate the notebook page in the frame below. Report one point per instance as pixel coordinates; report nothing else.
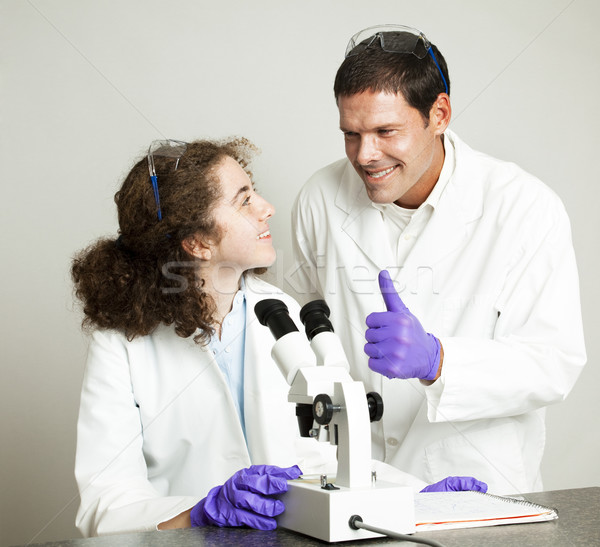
(445, 510)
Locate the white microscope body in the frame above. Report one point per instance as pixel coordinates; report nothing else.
(332, 406)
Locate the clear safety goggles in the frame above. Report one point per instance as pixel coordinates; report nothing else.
(394, 39)
(165, 149)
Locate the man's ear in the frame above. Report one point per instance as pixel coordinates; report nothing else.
(194, 246)
(440, 113)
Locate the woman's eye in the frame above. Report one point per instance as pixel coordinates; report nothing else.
(246, 202)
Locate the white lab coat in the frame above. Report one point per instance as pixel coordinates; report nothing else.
(158, 426)
(493, 276)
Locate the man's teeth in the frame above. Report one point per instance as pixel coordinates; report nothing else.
(381, 173)
(263, 235)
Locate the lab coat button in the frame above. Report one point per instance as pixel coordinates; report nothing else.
(392, 441)
(228, 349)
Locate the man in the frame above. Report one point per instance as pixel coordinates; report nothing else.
(483, 324)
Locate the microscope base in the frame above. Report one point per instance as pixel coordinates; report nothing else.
(324, 514)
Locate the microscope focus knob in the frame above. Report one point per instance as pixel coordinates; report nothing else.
(323, 409)
(375, 403)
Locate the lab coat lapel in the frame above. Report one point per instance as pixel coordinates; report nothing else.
(252, 378)
(265, 390)
(364, 223)
(448, 226)
(442, 235)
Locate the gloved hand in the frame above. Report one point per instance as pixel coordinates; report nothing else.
(244, 499)
(397, 344)
(453, 484)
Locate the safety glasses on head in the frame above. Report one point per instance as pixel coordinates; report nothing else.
(166, 149)
(394, 39)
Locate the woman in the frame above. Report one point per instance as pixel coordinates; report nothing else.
(181, 398)
(180, 391)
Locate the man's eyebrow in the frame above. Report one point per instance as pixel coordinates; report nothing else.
(241, 191)
(383, 126)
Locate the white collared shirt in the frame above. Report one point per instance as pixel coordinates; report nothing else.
(229, 350)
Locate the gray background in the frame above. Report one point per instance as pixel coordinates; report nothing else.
(85, 86)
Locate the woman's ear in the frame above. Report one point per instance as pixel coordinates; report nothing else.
(195, 247)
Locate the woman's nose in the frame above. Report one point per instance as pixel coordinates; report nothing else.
(267, 209)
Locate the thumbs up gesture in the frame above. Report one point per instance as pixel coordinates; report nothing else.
(397, 344)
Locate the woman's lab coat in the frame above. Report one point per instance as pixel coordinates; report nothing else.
(158, 427)
(493, 276)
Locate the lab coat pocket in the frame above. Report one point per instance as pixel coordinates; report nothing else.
(473, 315)
(491, 453)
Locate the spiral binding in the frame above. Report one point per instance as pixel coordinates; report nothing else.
(523, 501)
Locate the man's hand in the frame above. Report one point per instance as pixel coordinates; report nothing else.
(456, 484)
(397, 344)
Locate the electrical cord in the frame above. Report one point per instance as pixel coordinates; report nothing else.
(356, 522)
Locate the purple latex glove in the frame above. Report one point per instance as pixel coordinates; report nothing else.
(454, 484)
(245, 498)
(397, 344)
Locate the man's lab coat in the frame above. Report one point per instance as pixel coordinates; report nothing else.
(492, 275)
(158, 427)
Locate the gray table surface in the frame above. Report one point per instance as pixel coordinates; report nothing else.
(578, 524)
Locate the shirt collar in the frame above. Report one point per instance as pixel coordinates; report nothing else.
(240, 296)
(445, 174)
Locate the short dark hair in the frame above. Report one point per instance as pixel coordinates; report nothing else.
(373, 69)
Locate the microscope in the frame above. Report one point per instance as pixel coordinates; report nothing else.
(332, 407)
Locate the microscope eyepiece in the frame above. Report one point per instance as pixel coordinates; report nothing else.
(315, 318)
(274, 314)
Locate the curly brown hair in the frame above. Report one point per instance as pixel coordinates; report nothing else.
(144, 277)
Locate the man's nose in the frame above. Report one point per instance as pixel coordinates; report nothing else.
(368, 150)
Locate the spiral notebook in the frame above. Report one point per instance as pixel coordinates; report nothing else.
(447, 510)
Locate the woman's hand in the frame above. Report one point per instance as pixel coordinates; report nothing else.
(246, 498)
